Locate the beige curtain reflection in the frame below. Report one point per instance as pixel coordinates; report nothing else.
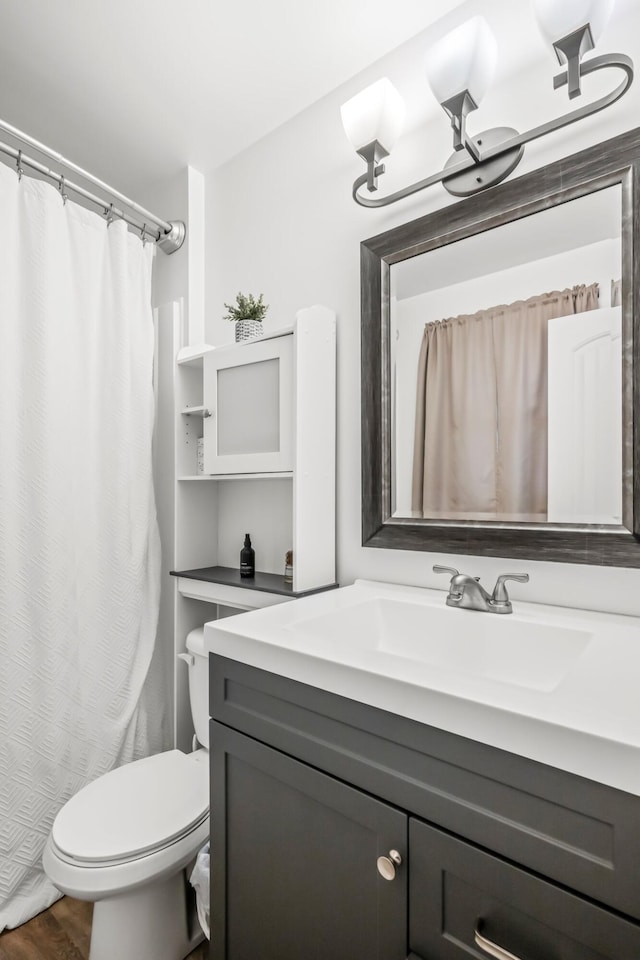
(480, 448)
(616, 293)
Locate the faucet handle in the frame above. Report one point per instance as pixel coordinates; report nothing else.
(500, 594)
(438, 568)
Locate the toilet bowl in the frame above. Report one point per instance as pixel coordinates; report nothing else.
(125, 840)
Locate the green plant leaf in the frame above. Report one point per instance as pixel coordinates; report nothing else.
(246, 308)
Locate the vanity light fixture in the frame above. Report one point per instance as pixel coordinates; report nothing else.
(460, 67)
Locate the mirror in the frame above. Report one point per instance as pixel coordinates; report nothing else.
(497, 374)
(509, 341)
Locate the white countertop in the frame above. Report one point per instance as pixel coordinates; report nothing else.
(581, 715)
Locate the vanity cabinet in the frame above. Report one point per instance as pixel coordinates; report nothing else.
(501, 856)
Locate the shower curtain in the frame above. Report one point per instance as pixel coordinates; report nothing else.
(79, 544)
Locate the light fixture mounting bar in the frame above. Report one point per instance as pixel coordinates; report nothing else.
(489, 151)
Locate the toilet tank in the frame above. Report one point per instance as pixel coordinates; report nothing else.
(199, 684)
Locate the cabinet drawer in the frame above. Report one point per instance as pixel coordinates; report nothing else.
(457, 889)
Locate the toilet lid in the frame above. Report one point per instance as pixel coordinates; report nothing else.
(135, 809)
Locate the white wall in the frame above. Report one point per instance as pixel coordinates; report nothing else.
(281, 221)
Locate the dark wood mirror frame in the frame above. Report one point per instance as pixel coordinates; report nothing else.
(616, 161)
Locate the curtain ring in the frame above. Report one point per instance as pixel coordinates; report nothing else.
(62, 193)
(143, 234)
(109, 215)
(19, 169)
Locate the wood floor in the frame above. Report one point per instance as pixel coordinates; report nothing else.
(60, 933)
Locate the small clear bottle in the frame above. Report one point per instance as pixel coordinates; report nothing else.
(288, 567)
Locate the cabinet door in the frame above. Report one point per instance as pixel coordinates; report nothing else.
(248, 391)
(294, 861)
(465, 903)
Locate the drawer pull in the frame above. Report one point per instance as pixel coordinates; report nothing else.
(493, 949)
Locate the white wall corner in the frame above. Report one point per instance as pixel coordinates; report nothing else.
(196, 265)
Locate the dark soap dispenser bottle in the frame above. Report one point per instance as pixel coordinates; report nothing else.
(247, 559)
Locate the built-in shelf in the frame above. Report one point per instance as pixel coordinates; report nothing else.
(192, 356)
(240, 476)
(224, 585)
(296, 512)
(196, 411)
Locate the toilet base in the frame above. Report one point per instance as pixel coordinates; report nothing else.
(149, 923)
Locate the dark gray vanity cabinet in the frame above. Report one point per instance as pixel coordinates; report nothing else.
(294, 864)
(501, 856)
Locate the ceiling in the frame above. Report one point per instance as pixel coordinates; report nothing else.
(133, 89)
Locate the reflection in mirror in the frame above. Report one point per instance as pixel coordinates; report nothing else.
(506, 365)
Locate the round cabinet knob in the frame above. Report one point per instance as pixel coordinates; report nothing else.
(387, 865)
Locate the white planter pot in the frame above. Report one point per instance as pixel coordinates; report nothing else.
(248, 329)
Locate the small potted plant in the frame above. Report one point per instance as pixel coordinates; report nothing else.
(247, 313)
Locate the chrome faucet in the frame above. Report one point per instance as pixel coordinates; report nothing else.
(468, 593)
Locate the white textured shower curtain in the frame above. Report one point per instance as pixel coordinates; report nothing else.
(79, 545)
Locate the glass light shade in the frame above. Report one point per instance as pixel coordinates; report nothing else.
(377, 113)
(558, 18)
(464, 59)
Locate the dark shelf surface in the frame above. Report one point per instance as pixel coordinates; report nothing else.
(262, 582)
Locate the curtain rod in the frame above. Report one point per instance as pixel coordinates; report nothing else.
(169, 235)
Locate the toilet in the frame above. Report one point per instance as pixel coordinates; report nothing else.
(127, 839)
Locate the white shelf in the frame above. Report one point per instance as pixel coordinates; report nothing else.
(228, 596)
(240, 476)
(270, 335)
(200, 411)
(192, 356)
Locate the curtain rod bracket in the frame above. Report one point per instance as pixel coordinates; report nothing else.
(174, 238)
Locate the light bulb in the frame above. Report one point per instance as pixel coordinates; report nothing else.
(557, 19)
(464, 59)
(374, 114)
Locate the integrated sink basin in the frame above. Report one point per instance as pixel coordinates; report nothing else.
(511, 650)
(554, 684)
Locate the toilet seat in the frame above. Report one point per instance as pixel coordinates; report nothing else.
(94, 881)
(135, 810)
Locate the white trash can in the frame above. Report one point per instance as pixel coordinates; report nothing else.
(200, 882)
